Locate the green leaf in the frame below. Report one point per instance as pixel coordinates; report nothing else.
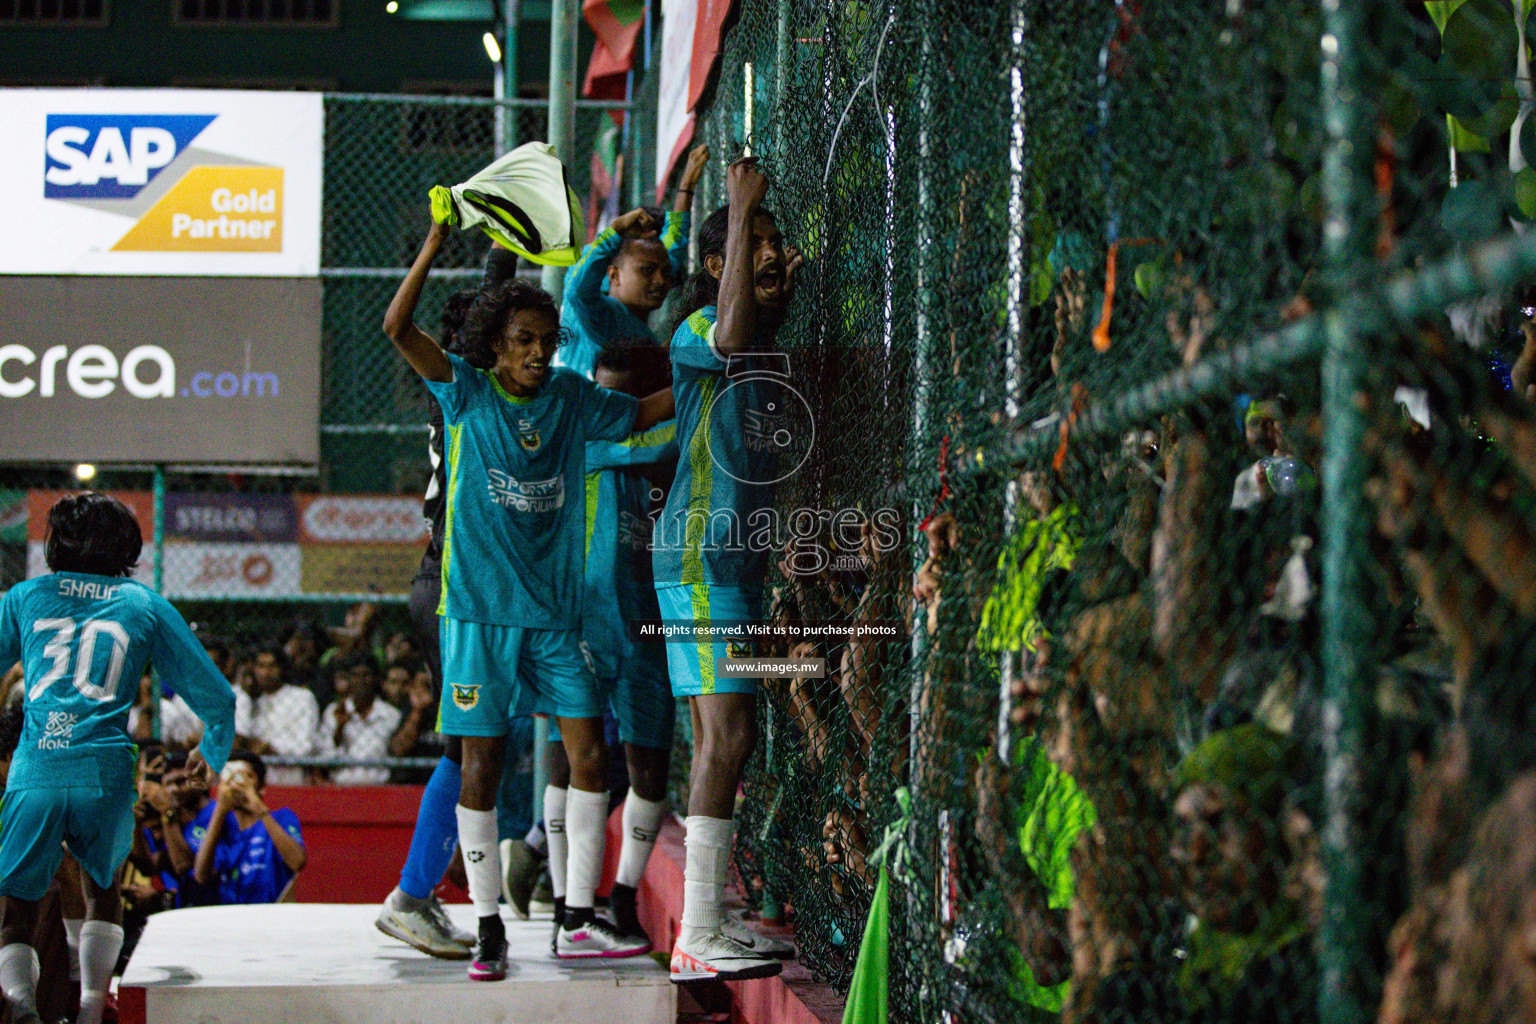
(1463, 141)
(1525, 193)
(1481, 39)
(1495, 120)
(1150, 278)
(1441, 10)
(1528, 136)
(1473, 212)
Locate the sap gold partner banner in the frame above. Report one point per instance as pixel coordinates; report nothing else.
(160, 369)
(165, 181)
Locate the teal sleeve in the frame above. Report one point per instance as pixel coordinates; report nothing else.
(639, 449)
(584, 298)
(453, 395)
(674, 235)
(693, 345)
(606, 415)
(180, 656)
(10, 631)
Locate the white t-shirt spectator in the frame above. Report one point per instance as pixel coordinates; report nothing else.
(179, 724)
(285, 721)
(362, 736)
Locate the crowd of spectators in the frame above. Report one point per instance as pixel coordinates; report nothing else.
(320, 705)
(1147, 804)
(198, 845)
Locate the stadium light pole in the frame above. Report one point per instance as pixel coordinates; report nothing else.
(562, 106)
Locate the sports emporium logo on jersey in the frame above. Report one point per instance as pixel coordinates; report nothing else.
(145, 166)
(527, 495)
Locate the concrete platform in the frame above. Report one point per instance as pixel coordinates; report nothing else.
(327, 964)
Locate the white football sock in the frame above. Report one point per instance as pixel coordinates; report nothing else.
(100, 943)
(706, 867)
(642, 820)
(586, 820)
(554, 832)
(72, 937)
(482, 858)
(18, 977)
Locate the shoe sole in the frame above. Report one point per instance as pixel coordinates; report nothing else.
(602, 955)
(495, 975)
(768, 970)
(459, 953)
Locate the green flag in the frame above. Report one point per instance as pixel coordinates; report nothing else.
(867, 995)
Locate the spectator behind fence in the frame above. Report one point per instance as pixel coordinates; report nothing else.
(359, 725)
(183, 824)
(408, 687)
(304, 642)
(278, 717)
(1251, 880)
(180, 728)
(251, 853)
(401, 647)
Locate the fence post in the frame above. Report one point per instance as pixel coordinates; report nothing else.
(505, 80)
(1343, 997)
(562, 106)
(157, 546)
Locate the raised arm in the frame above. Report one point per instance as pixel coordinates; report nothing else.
(416, 345)
(584, 296)
(737, 313)
(203, 866)
(682, 201)
(182, 859)
(654, 408)
(288, 846)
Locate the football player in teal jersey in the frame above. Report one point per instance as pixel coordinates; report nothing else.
(636, 259)
(84, 633)
(619, 590)
(510, 614)
(706, 570)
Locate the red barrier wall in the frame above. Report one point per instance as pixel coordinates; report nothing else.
(356, 838)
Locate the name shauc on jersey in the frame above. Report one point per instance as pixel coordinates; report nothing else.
(93, 590)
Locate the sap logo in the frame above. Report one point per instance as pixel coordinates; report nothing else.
(113, 156)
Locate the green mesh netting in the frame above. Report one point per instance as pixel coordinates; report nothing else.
(1049, 251)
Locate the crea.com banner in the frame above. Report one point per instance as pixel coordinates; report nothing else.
(160, 369)
(254, 546)
(162, 182)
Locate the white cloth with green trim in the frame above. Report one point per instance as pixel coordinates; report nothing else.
(524, 201)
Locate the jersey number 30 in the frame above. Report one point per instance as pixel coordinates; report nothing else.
(58, 649)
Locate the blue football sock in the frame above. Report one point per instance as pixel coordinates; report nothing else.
(437, 832)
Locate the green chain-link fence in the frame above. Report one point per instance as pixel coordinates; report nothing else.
(1189, 345)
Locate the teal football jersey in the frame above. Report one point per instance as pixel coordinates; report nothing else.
(514, 526)
(83, 642)
(619, 586)
(727, 425)
(596, 319)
